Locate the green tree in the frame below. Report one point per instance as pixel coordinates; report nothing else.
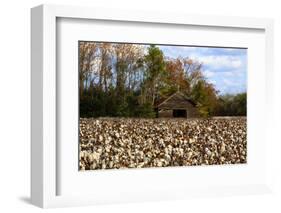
(154, 73)
(205, 95)
(232, 105)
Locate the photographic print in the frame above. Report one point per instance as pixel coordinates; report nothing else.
(157, 105)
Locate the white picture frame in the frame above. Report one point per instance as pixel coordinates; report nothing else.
(44, 154)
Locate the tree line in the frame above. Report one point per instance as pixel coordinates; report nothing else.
(128, 80)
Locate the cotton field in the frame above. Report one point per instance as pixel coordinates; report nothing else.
(115, 143)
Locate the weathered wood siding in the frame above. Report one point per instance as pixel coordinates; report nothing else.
(176, 102)
(165, 113)
(192, 112)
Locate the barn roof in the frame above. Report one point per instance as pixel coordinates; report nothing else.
(177, 100)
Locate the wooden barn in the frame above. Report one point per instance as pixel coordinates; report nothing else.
(177, 106)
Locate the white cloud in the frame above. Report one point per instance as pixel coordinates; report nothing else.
(229, 74)
(228, 82)
(213, 82)
(220, 62)
(209, 73)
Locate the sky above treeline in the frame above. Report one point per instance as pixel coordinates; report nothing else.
(226, 68)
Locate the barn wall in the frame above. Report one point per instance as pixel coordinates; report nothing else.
(192, 112)
(176, 102)
(165, 114)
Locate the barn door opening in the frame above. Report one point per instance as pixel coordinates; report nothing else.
(179, 113)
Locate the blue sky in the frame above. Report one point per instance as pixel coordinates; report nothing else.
(226, 68)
